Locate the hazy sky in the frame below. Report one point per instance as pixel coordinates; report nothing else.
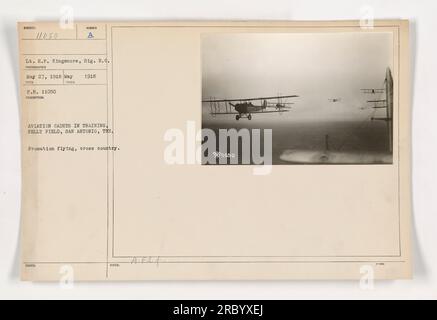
(316, 67)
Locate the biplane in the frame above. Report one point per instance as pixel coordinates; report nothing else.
(244, 108)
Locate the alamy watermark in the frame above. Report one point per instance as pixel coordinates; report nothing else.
(367, 277)
(66, 280)
(224, 146)
(66, 18)
(367, 17)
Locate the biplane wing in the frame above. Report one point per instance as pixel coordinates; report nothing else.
(373, 90)
(250, 99)
(215, 113)
(271, 111)
(265, 111)
(281, 104)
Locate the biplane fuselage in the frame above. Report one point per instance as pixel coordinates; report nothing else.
(247, 107)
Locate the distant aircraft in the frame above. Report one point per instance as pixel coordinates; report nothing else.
(244, 108)
(335, 100)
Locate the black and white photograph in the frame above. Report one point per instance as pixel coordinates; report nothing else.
(321, 98)
(218, 159)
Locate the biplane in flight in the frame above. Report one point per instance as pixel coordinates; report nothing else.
(244, 108)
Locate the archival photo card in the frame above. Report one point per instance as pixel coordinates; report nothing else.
(297, 98)
(116, 116)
